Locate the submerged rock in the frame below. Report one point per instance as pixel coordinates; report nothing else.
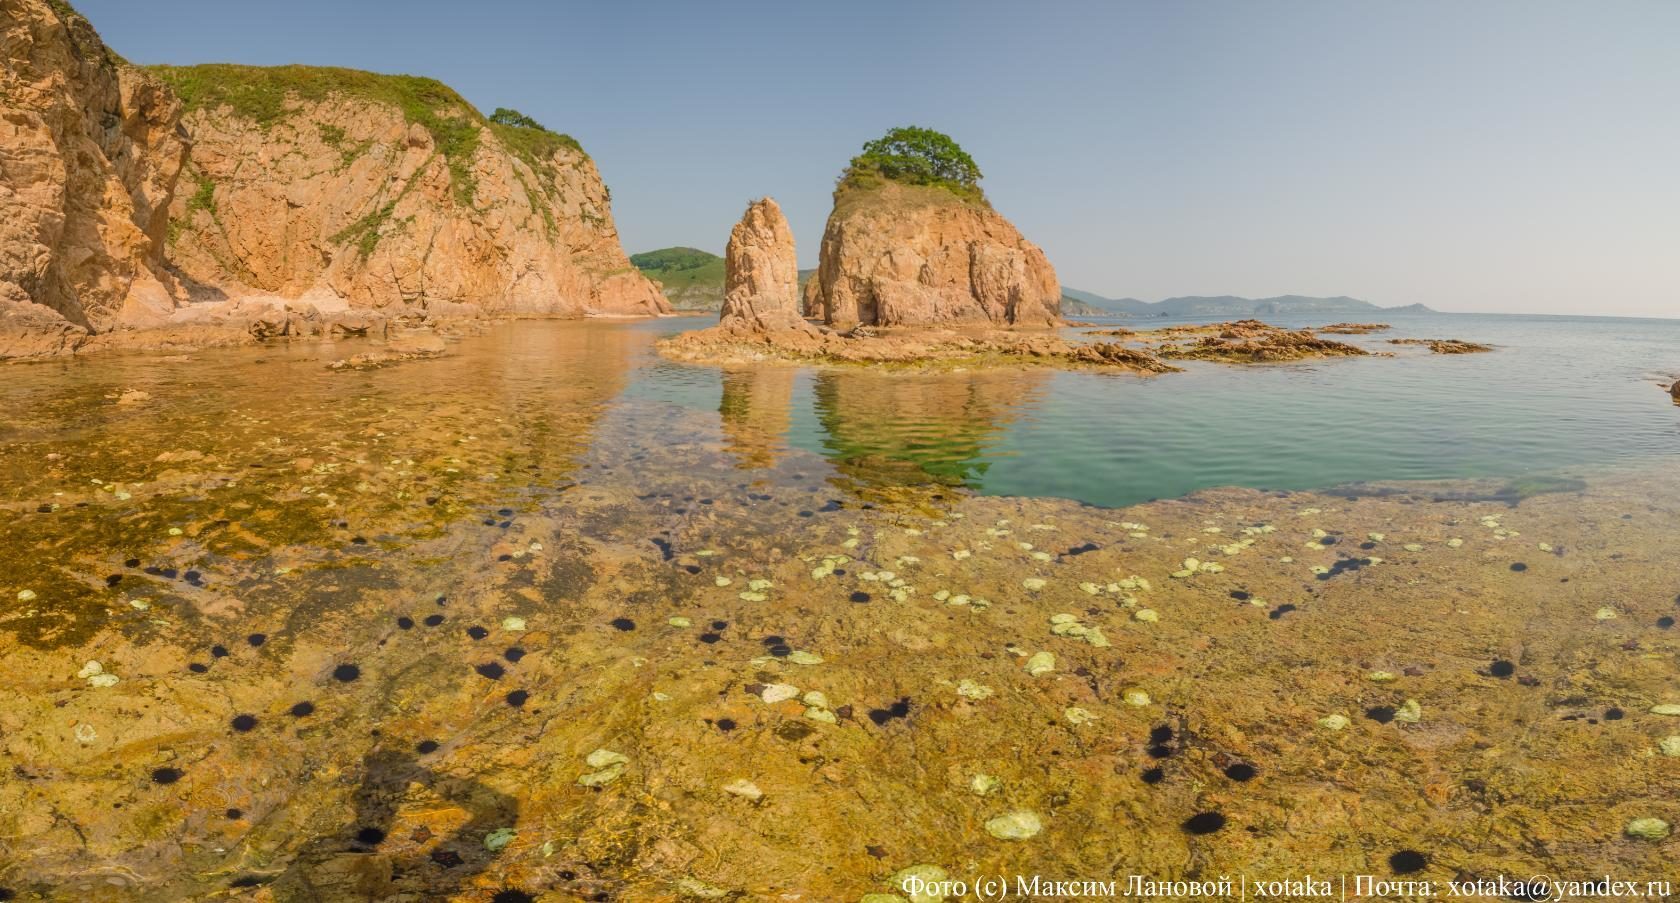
(1015, 826)
(1409, 712)
(608, 765)
(744, 788)
(1334, 722)
(1647, 828)
(921, 882)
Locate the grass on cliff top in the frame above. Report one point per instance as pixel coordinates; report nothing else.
(262, 94)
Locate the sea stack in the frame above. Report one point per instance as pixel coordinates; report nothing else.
(912, 241)
(761, 274)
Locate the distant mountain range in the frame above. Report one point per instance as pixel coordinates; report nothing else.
(693, 280)
(1224, 306)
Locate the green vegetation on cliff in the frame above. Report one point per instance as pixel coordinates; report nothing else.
(267, 95)
(527, 138)
(693, 279)
(911, 155)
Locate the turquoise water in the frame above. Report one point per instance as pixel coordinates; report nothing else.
(1559, 395)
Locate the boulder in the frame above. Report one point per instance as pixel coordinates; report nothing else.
(30, 330)
(356, 324)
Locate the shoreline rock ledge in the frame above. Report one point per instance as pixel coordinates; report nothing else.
(761, 274)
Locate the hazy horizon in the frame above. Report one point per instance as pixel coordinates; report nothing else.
(1502, 157)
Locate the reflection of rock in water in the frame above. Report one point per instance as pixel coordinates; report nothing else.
(350, 865)
(252, 457)
(756, 411)
(938, 427)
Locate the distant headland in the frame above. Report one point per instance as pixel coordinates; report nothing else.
(1088, 304)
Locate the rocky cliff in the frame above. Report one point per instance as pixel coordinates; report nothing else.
(152, 198)
(761, 273)
(389, 192)
(90, 152)
(918, 255)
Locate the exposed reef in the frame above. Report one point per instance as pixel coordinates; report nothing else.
(1250, 341)
(923, 348)
(1241, 342)
(1353, 328)
(1445, 346)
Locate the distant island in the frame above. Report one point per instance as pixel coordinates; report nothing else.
(1087, 304)
(691, 278)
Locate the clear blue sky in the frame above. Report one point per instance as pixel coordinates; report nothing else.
(1503, 156)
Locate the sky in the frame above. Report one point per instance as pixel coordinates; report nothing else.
(1500, 155)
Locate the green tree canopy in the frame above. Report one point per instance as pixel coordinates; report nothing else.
(505, 116)
(917, 156)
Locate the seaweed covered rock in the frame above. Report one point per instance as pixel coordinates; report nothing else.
(913, 242)
(761, 273)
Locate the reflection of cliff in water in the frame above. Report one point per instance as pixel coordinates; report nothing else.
(756, 411)
(909, 429)
(252, 454)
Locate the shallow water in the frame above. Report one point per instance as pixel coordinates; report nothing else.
(366, 626)
(1561, 393)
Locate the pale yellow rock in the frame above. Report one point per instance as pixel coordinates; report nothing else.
(745, 789)
(1020, 825)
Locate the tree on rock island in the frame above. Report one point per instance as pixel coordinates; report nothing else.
(916, 156)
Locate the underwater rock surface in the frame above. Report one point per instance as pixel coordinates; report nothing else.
(753, 672)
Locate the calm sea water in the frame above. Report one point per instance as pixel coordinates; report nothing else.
(1560, 395)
